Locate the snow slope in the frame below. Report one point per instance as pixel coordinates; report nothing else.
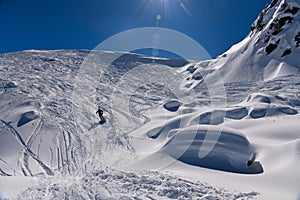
(70, 154)
(226, 128)
(272, 45)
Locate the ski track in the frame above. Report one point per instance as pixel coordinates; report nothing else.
(104, 184)
(69, 155)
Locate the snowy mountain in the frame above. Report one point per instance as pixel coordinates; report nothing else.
(270, 50)
(226, 128)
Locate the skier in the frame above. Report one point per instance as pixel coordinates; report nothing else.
(100, 113)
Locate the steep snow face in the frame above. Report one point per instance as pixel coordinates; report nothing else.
(276, 32)
(273, 44)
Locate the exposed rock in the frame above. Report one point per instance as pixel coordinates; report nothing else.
(273, 3)
(286, 52)
(271, 47)
(292, 10)
(284, 5)
(277, 25)
(297, 39)
(267, 38)
(258, 24)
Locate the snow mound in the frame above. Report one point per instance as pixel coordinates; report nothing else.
(276, 69)
(183, 137)
(232, 151)
(261, 105)
(172, 105)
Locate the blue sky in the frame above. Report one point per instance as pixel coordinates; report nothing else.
(78, 24)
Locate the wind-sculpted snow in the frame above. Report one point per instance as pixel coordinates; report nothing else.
(157, 117)
(42, 131)
(172, 105)
(232, 152)
(27, 117)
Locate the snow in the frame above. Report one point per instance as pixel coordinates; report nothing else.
(165, 140)
(232, 152)
(116, 185)
(275, 69)
(226, 128)
(10, 187)
(27, 117)
(172, 105)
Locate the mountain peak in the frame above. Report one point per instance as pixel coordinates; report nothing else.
(272, 44)
(278, 25)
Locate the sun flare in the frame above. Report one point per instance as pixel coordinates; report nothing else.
(165, 8)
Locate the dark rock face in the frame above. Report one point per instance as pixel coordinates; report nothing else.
(271, 36)
(271, 47)
(286, 52)
(297, 39)
(267, 38)
(292, 10)
(273, 3)
(277, 25)
(258, 24)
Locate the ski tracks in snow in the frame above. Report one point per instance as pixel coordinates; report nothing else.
(104, 185)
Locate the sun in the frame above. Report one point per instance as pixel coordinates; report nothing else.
(164, 8)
